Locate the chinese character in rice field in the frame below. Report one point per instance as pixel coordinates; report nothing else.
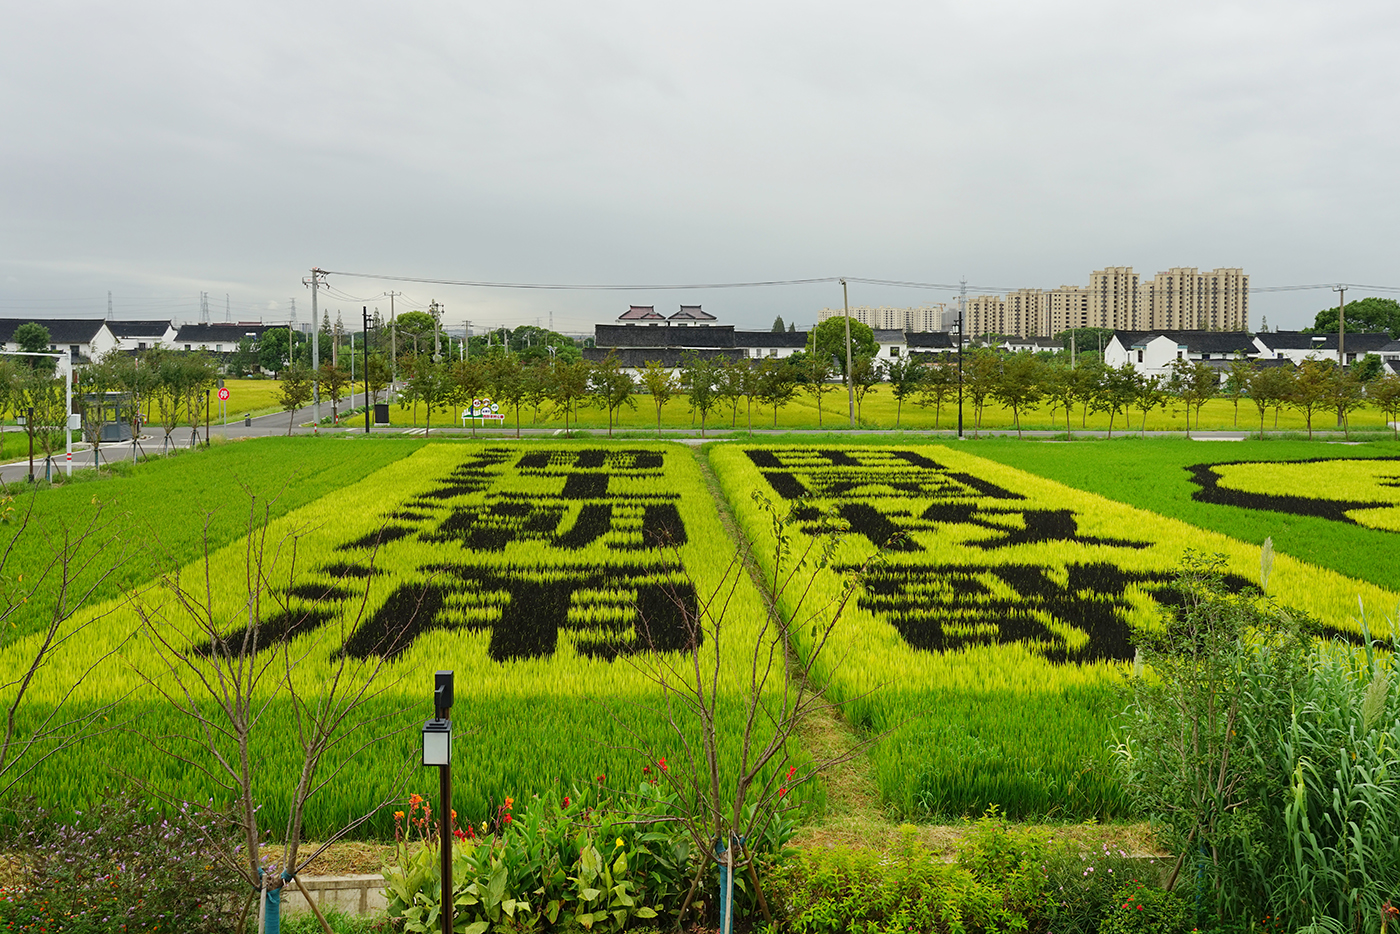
(969, 562)
(580, 543)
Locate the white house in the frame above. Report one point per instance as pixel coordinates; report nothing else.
(1154, 352)
(890, 344)
(80, 338)
(143, 335)
(1296, 346)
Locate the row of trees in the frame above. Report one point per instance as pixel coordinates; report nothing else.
(1019, 382)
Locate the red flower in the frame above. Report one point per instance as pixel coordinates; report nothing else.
(602, 778)
(781, 792)
(566, 801)
(646, 770)
(792, 770)
(507, 818)
(662, 762)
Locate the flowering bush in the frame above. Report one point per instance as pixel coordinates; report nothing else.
(595, 858)
(1143, 910)
(122, 867)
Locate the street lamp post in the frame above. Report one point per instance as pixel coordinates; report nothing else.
(437, 750)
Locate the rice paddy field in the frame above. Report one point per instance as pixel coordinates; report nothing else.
(985, 646)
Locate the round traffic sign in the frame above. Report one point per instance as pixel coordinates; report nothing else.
(223, 395)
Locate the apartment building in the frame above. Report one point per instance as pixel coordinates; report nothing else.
(1180, 299)
(889, 318)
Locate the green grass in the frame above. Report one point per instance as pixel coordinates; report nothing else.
(160, 508)
(1151, 474)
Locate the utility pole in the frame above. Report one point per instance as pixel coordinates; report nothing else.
(850, 386)
(1341, 291)
(364, 314)
(393, 342)
(962, 310)
(437, 331)
(317, 277)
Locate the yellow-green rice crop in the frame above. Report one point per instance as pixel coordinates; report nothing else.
(536, 572)
(1363, 491)
(990, 634)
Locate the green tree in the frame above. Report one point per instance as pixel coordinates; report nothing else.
(378, 374)
(1117, 391)
(612, 386)
(777, 384)
(778, 326)
(539, 377)
(818, 370)
(1151, 394)
(939, 384)
(468, 380)
(273, 350)
(32, 337)
(334, 381)
(1195, 383)
(570, 385)
(700, 379)
(1310, 388)
(981, 374)
(414, 332)
(1020, 385)
(1086, 378)
(41, 398)
(293, 391)
(9, 394)
(905, 375)
(1363, 315)
(1345, 393)
(660, 383)
(1237, 381)
(199, 374)
(866, 374)
(1385, 393)
(428, 381)
(1270, 386)
(731, 386)
(1367, 368)
(1061, 393)
(829, 338)
(505, 374)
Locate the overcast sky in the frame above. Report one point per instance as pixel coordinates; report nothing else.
(158, 150)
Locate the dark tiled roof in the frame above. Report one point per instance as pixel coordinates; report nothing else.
(138, 328)
(1360, 342)
(930, 340)
(888, 335)
(1212, 342)
(61, 330)
(647, 335)
(641, 313)
(692, 313)
(220, 333)
(637, 357)
(774, 339)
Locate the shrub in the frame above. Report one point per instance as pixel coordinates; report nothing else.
(123, 867)
(858, 890)
(1144, 910)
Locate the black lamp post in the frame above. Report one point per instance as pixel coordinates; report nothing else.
(437, 750)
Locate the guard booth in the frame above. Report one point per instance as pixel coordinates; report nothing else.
(107, 416)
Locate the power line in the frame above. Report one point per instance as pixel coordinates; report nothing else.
(768, 283)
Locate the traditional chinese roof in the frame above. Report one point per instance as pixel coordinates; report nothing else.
(641, 313)
(692, 313)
